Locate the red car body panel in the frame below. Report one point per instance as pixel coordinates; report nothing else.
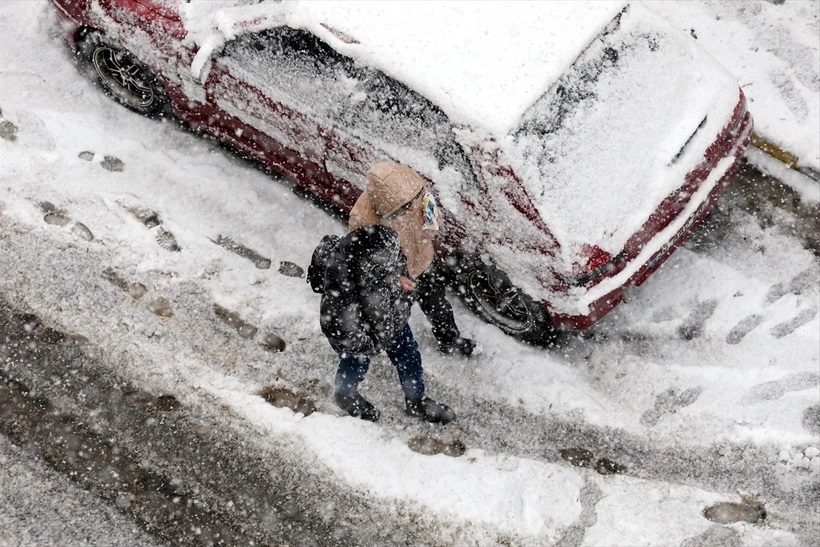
(728, 144)
(605, 304)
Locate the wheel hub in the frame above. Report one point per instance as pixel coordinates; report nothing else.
(503, 304)
(123, 77)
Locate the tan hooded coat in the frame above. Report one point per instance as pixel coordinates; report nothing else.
(391, 186)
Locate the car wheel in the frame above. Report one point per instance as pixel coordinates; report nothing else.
(489, 293)
(123, 77)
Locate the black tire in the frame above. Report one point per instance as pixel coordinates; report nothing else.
(488, 292)
(123, 76)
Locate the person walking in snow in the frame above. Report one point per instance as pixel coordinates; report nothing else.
(396, 196)
(364, 310)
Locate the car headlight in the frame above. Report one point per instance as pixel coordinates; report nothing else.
(599, 264)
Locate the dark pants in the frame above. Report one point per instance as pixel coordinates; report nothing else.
(431, 295)
(405, 356)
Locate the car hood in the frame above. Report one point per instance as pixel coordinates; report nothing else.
(620, 130)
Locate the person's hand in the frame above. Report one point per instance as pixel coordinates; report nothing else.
(407, 284)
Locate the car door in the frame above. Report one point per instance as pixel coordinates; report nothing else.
(269, 89)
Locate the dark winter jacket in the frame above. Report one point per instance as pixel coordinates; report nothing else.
(363, 305)
(390, 187)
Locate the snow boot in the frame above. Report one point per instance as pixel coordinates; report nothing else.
(357, 406)
(429, 410)
(464, 346)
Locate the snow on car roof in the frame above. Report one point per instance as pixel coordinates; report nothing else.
(483, 63)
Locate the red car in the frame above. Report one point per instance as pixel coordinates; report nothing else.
(573, 145)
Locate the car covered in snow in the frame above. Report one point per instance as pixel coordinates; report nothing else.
(573, 145)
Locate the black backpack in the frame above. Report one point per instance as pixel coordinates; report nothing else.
(319, 261)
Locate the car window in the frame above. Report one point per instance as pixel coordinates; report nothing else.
(382, 108)
(292, 66)
(387, 113)
(295, 67)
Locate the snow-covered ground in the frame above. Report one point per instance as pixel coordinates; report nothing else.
(705, 387)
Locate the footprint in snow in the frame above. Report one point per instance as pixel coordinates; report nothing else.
(770, 391)
(581, 457)
(135, 290)
(281, 397)
(797, 285)
(233, 320)
(430, 446)
(34, 133)
(109, 163)
(669, 402)
(290, 269)
(692, 326)
(261, 262)
(138, 397)
(273, 342)
(151, 220)
(161, 307)
(788, 327)
(743, 328)
(8, 131)
(167, 241)
(270, 341)
(58, 217)
(729, 512)
(811, 419)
